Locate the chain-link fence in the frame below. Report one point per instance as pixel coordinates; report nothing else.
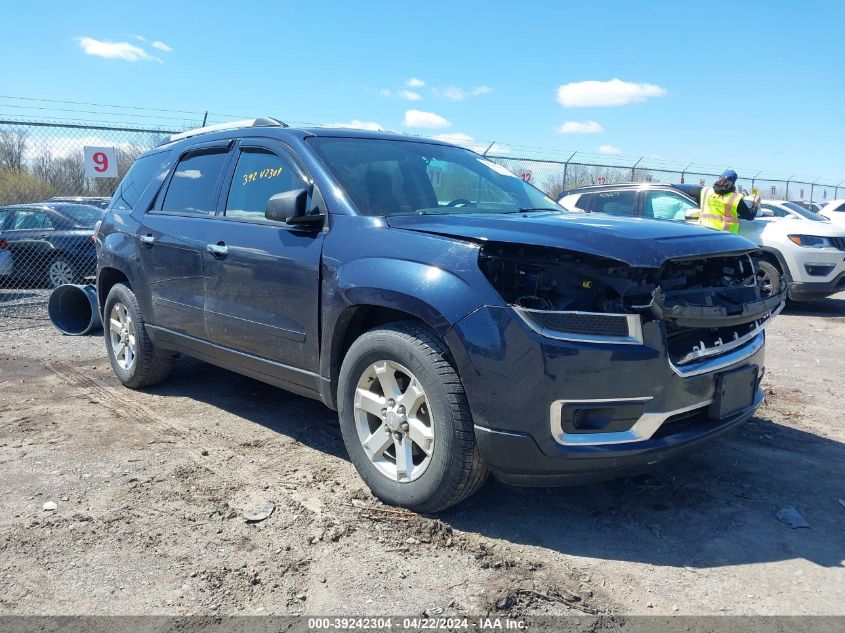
(49, 204)
(554, 177)
(50, 199)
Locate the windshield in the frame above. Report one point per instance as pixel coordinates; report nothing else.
(810, 215)
(388, 178)
(81, 215)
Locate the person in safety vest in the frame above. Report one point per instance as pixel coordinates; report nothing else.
(722, 206)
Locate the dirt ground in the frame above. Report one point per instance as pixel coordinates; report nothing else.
(152, 489)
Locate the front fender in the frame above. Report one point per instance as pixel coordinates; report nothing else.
(436, 296)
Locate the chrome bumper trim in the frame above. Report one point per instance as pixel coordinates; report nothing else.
(708, 365)
(643, 428)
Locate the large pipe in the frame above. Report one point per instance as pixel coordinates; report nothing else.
(73, 309)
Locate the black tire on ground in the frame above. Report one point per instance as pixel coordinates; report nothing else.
(456, 469)
(768, 277)
(150, 365)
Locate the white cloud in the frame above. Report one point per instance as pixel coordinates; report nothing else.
(459, 94)
(459, 138)
(582, 94)
(159, 45)
(465, 140)
(430, 120)
(413, 82)
(580, 127)
(609, 149)
(384, 92)
(357, 124)
(115, 50)
(409, 95)
(453, 93)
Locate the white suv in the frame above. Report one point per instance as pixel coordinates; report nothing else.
(797, 245)
(834, 211)
(810, 249)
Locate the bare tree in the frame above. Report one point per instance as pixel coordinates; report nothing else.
(12, 149)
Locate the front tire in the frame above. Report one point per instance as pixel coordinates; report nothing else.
(406, 421)
(768, 278)
(133, 357)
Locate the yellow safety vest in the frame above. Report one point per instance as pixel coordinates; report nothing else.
(719, 211)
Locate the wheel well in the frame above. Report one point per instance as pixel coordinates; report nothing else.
(352, 324)
(775, 260)
(108, 278)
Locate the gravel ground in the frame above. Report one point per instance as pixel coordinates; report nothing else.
(151, 490)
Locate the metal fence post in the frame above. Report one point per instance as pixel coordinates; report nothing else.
(634, 168)
(812, 188)
(836, 190)
(786, 196)
(566, 168)
(684, 173)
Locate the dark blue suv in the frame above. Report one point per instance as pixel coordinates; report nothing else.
(458, 320)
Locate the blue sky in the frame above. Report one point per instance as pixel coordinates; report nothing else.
(750, 85)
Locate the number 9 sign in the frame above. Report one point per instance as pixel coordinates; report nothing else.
(100, 162)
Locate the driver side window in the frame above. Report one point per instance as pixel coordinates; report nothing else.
(259, 175)
(665, 205)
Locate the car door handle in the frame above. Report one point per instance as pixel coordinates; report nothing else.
(218, 250)
(147, 240)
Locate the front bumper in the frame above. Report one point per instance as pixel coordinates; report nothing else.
(810, 291)
(520, 383)
(805, 266)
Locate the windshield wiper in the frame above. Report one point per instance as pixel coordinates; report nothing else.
(533, 209)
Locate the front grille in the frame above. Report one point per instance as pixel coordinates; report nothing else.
(685, 341)
(838, 242)
(696, 420)
(586, 324)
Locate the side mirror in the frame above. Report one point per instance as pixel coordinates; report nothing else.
(287, 206)
(692, 214)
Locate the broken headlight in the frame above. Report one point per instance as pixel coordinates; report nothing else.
(569, 296)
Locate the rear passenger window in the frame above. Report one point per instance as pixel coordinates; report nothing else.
(137, 179)
(614, 202)
(259, 176)
(192, 187)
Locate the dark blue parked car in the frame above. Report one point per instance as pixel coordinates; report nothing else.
(457, 319)
(49, 242)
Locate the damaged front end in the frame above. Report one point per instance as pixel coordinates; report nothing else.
(707, 306)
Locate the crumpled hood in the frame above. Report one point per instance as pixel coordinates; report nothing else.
(634, 241)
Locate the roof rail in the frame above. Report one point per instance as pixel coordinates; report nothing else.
(229, 125)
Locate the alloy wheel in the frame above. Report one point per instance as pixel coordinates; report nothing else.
(59, 273)
(124, 343)
(393, 421)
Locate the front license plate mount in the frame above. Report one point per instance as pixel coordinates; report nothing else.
(735, 391)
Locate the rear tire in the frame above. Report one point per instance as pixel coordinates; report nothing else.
(133, 357)
(422, 456)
